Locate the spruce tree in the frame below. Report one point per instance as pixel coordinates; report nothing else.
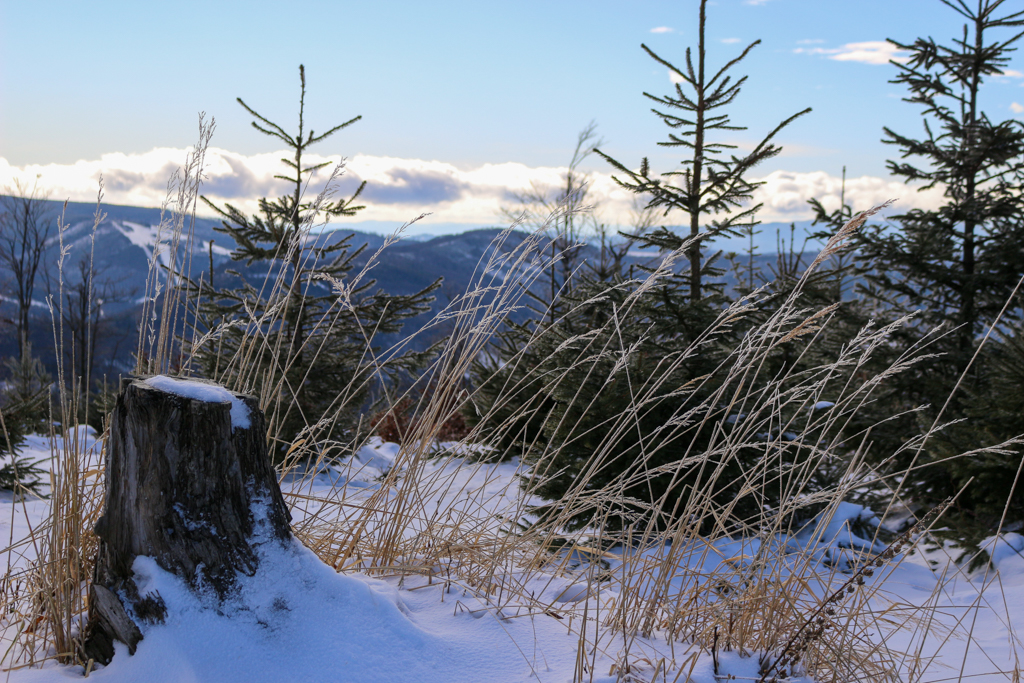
(956, 265)
(709, 183)
(620, 388)
(960, 262)
(304, 338)
(994, 409)
(616, 370)
(23, 411)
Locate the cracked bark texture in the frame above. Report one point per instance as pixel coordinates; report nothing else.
(181, 486)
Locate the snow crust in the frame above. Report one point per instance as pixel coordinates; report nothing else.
(207, 393)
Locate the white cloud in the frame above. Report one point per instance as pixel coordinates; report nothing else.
(785, 194)
(674, 77)
(810, 41)
(730, 41)
(401, 189)
(869, 52)
(663, 29)
(755, 2)
(1016, 108)
(1010, 73)
(397, 189)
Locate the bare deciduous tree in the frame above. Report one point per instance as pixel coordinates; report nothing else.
(84, 320)
(25, 225)
(538, 203)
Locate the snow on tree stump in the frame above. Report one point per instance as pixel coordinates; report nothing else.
(186, 464)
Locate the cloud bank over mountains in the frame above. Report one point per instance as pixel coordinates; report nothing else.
(399, 190)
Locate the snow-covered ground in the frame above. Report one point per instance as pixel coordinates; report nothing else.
(297, 619)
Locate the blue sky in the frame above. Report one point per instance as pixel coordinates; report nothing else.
(449, 89)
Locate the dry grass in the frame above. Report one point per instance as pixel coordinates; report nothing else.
(740, 589)
(46, 583)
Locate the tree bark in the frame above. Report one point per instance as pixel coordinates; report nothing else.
(184, 487)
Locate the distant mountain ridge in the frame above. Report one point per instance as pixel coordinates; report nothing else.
(123, 245)
(121, 248)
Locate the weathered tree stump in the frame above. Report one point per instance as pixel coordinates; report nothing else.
(186, 465)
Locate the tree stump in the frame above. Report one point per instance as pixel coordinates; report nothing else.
(186, 464)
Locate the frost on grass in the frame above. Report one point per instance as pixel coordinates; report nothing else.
(208, 393)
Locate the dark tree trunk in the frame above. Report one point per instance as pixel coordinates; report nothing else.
(181, 484)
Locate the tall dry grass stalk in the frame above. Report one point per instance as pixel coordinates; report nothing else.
(745, 586)
(44, 596)
(765, 596)
(46, 584)
(170, 264)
